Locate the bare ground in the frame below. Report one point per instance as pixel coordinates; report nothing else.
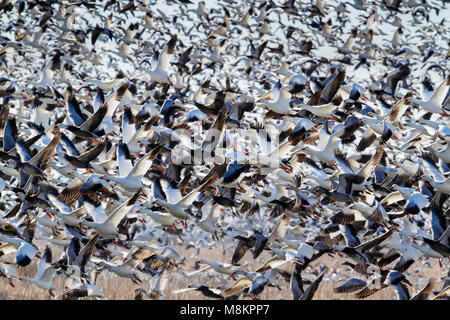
(118, 288)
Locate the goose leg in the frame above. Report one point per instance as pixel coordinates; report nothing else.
(51, 293)
(177, 231)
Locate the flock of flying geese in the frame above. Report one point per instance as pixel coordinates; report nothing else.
(322, 129)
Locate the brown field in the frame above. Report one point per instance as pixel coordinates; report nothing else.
(118, 288)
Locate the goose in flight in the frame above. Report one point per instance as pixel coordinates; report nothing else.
(108, 227)
(177, 209)
(283, 104)
(45, 273)
(128, 268)
(357, 253)
(285, 160)
(296, 285)
(158, 284)
(160, 73)
(214, 293)
(219, 267)
(131, 180)
(256, 282)
(25, 251)
(435, 102)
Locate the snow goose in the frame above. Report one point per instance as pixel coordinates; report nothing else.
(244, 22)
(132, 181)
(302, 256)
(441, 245)
(256, 282)
(158, 284)
(160, 73)
(178, 209)
(296, 284)
(47, 72)
(108, 227)
(283, 104)
(243, 245)
(441, 186)
(326, 155)
(208, 222)
(25, 251)
(162, 255)
(65, 213)
(357, 253)
(219, 267)
(416, 202)
(84, 290)
(324, 110)
(331, 85)
(349, 286)
(75, 260)
(44, 274)
(8, 272)
(443, 154)
(84, 160)
(163, 218)
(425, 292)
(390, 86)
(101, 121)
(434, 104)
(445, 291)
(128, 268)
(214, 293)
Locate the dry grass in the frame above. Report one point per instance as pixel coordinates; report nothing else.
(119, 288)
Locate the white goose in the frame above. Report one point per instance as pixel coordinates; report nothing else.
(45, 273)
(276, 192)
(324, 110)
(127, 269)
(327, 154)
(108, 228)
(25, 251)
(8, 272)
(132, 182)
(283, 104)
(219, 267)
(444, 154)
(210, 215)
(160, 73)
(163, 218)
(65, 213)
(434, 104)
(112, 102)
(177, 209)
(442, 186)
(84, 289)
